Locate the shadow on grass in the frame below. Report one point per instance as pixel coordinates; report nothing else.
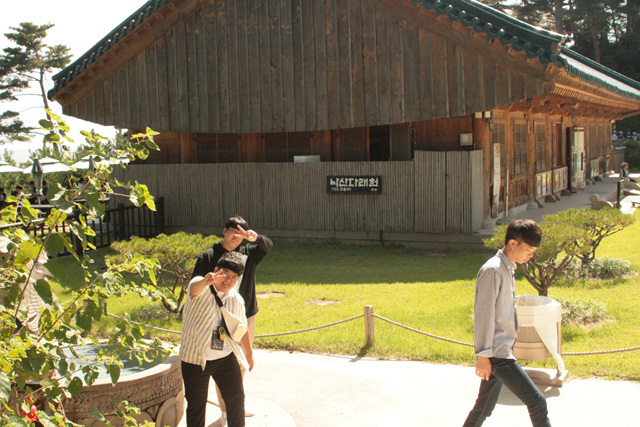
(363, 352)
(335, 263)
(590, 284)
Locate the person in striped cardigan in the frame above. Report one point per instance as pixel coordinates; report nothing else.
(214, 342)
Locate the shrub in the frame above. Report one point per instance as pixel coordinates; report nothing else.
(597, 225)
(565, 235)
(632, 153)
(601, 268)
(582, 312)
(176, 256)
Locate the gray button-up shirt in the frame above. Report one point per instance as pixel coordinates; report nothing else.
(495, 322)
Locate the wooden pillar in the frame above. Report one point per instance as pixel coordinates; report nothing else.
(531, 155)
(187, 147)
(482, 141)
(323, 145)
(252, 151)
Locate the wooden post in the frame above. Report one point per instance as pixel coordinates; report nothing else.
(369, 329)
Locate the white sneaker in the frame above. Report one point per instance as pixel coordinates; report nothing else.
(223, 420)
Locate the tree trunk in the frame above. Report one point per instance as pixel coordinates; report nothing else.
(633, 23)
(594, 38)
(45, 101)
(558, 13)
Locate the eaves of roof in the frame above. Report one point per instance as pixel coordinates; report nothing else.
(534, 41)
(75, 68)
(589, 71)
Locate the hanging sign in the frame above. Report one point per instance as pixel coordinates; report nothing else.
(341, 184)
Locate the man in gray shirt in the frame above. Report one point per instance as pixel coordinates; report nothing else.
(496, 325)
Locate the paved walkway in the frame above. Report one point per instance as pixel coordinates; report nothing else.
(578, 200)
(307, 390)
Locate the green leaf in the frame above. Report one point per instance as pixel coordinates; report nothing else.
(84, 320)
(28, 251)
(114, 373)
(98, 415)
(136, 332)
(15, 420)
(75, 386)
(53, 392)
(96, 208)
(44, 291)
(58, 270)
(61, 366)
(5, 387)
(46, 422)
(90, 377)
(54, 244)
(46, 124)
(79, 231)
(52, 137)
(152, 145)
(93, 310)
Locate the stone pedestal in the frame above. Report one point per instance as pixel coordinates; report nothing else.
(156, 391)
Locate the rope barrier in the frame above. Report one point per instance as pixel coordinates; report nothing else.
(310, 329)
(142, 324)
(423, 333)
(586, 353)
(577, 353)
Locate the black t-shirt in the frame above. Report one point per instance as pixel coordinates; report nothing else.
(255, 253)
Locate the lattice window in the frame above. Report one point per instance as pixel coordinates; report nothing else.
(593, 137)
(217, 148)
(541, 142)
(499, 136)
(228, 148)
(299, 144)
(352, 144)
(206, 148)
(275, 147)
(282, 147)
(520, 145)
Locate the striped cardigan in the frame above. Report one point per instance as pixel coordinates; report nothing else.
(198, 315)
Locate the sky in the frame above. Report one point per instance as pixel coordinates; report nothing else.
(79, 24)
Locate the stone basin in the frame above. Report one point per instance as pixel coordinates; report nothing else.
(157, 391)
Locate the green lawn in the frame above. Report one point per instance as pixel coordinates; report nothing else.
(314, 284)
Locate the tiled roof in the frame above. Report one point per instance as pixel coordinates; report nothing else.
(71, 71)
(589, 71)
(534, 41)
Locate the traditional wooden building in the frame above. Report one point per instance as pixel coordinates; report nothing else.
(404, 120)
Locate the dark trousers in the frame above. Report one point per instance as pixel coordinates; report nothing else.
(509, 373)
(226, 373)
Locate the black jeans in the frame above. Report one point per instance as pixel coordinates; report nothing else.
(226, 373)
(509, 373)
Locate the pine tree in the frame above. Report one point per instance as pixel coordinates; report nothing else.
(29, 61)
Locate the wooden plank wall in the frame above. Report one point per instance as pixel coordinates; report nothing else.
(435, 193)
(241, 66)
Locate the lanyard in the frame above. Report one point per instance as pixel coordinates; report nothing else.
(219, 302)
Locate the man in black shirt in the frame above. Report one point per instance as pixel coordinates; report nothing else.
(235, 231)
